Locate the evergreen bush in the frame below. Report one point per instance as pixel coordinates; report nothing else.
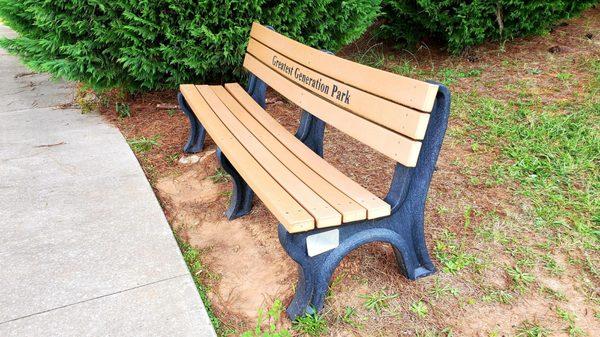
(460, 24)
(150, 44)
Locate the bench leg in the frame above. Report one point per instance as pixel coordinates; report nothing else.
(197, 134)
(315, 272)
(242, 194)
(310, 132)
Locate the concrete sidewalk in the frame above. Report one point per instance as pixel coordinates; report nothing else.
(85, 249)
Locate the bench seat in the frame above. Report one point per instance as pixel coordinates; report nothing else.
(299, 187)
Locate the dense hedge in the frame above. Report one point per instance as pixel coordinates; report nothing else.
(148, 44)
(460, 24)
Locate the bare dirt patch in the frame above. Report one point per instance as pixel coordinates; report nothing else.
(249, 270)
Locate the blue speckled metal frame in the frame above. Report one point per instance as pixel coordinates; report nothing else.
(403, 229)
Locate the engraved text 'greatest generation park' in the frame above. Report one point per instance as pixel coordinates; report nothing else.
(296, 73)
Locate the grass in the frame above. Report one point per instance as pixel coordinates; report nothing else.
(270, 318)
(451, 254)
(372, 57)
(142, 144)
(498, 296)
(123, 110)
(438, 290)
(220, 176)
(349, 317)
(378, 301)
(173, 158)
(193, 260)
(532, 329)
(569, 318)
(446, 332)
(419, 308)
(312, 325)
(554, 294)
(449, 76)
(521, 279)
(552, 152)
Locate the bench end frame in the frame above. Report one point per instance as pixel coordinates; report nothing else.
(403, 229)
(242, 195)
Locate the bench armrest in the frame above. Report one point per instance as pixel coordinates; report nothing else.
(414, 182)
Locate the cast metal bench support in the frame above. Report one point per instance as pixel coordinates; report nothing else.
(197, 133)
(403, 229)
(241, 196)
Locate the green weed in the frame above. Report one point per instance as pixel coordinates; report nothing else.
(564, 76)
(554, 294)
(498, 296)
(227, 194)
(337, 280)
(565, 315)
(192, 258)
(220, 176)
(271, 318)
(87, 101)
(405, 69)
(534, 71)
(551, 265)
(349, 318)
(451, 254)
(173, 158)
(438, 290)
(521, 279)
(569, 318)
(378, 301)
(531, 329)
(432, 332)
(371, 57)
(312, 325)
(123, 110)
(143, 144)
(448, 76)
(419, 308)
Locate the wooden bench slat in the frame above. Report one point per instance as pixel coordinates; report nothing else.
(325, 215)
(399, 118)
(289, 212)
(403, 90)
(350, 210)
(375, 206)
(391, 144)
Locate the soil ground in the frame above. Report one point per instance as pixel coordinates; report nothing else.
(500, 274)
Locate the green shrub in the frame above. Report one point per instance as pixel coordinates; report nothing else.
(460, 24)
(142, 44)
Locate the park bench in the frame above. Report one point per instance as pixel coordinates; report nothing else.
(323, 214)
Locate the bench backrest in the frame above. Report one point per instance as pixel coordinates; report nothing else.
(388, 112)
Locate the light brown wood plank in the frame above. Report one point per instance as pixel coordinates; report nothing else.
(350, 210)
(375, 207)
(287, 210)
(391, 144)
(409, 122)
(324, 214)
(403, 90)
